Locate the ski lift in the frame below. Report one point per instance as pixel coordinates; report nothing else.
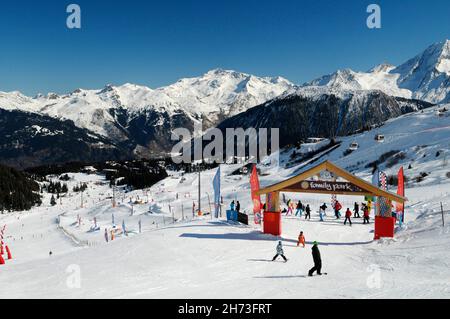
(244, 170)
(379, 138)
(353, 146)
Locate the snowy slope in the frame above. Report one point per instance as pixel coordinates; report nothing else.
(207, 258)
(424, 77)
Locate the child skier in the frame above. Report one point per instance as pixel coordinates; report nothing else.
(322, 211)
(356, 211)
(366, 214)
(348, 215)
(280, 252)
(301, 240)
(289, 205)
(337, 208)
(308, 212)
(299, 209)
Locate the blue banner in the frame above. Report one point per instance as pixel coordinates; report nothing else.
(376, 182)
(216, 185)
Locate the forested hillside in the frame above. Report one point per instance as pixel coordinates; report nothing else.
(17, 190)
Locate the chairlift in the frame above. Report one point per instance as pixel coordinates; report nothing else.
(379, 138)
(244, 170)
(353, 146)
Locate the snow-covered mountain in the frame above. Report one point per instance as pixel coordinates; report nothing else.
(141, 118)
(322, 112)
(424, 77)
(214, 96)
(144, 117)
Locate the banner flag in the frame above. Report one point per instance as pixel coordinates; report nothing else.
(384, 205)
(216, 186)
(400, 207)
(376, 182)
(254, 186)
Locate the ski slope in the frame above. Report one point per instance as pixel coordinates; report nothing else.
(207, 258)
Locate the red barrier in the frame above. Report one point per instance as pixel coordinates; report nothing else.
(272, 223)
(384, 227)
(2, 261)
(8, 252)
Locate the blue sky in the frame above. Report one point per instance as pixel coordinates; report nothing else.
(155, 43)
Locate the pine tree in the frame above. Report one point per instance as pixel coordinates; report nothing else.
(53, 201)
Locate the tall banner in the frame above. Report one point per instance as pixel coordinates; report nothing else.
(400, 207)
(216, 186)
(254, 186)
(384, 205)
(376, 182)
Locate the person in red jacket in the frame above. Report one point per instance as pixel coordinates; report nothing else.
(337, 208)
(348, 215)
(366, 214)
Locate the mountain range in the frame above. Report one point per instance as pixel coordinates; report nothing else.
(136, 121)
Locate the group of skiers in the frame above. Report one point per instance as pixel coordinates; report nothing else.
(356, 210)
(300, 208)
(235, 206)
(315, 254)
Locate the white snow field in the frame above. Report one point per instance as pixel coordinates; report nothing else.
(207, 258)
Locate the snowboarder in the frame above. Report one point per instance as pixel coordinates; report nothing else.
(301, 240)
(308, 212)
(299, 208)
(317, 260)
(280, 252)
(337, 208)
(356, 211)
(238, 206)
(348, 215)
(366, 215)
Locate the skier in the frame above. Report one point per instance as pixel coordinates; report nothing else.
(280, 252)
(366, 214)
(322, 211)
(348, 215)
(356, 210)
(317, 260)
(308, 212)
(238, 206)
(232, 205)
(301, 240)
(289, 205)
(299, 208)
(337, 208)
(106, 235)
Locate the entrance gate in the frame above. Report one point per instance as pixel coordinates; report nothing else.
(326, 178)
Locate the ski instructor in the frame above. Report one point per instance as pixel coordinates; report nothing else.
(317, 260)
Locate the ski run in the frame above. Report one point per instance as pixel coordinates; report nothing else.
(167, 252)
